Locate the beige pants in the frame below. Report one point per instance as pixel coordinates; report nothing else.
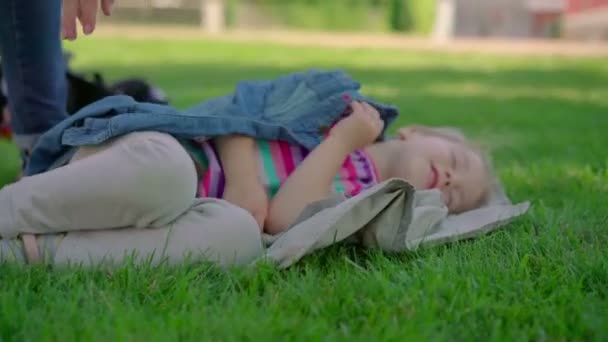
(132, 195)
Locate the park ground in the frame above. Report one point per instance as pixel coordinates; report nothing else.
(544, 116)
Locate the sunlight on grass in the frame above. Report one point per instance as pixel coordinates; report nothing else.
(376, 90)
(597, 96)
(154, 52)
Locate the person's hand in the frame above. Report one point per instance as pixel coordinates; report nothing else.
(250, 196)
(361, 128)
(84, 11)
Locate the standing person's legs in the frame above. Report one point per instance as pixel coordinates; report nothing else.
(33, 65)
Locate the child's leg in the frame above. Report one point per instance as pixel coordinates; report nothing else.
(139, 180)
(212, 230)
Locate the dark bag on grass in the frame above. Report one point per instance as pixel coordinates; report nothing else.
(83, 90)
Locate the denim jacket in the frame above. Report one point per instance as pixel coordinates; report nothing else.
(298, 108)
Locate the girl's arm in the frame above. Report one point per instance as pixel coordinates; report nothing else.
(312, 180)
(240, 164)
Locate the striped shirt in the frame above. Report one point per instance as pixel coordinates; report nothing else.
(277, 160)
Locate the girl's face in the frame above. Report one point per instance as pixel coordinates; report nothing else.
(433, 162)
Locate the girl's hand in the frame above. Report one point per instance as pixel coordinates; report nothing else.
(359, 129)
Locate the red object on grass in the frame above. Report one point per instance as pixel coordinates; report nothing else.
(5, 132)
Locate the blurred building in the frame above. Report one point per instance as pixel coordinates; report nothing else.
(546, 17)
(586, 19)
(499, 18)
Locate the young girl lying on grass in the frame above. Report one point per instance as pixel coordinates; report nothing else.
(150, 179)
(347, 161)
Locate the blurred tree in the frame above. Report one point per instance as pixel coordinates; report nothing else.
(415, 16)
(400, 16)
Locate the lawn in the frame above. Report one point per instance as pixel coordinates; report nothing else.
(543, 278)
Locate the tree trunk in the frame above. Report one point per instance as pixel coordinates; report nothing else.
(212, 15)
(445, 20)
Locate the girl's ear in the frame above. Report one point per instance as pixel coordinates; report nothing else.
(405, 132)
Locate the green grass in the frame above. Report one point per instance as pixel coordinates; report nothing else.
(9, 162)
(543, 278)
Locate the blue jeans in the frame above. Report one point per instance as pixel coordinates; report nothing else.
(33, 65)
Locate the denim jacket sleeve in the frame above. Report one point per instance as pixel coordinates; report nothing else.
(304, 105)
